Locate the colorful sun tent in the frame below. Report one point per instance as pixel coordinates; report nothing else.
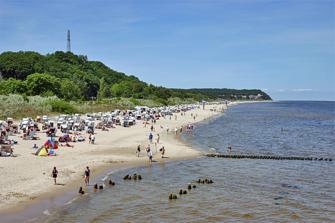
(47, 149)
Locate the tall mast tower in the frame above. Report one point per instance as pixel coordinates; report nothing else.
(68, 41)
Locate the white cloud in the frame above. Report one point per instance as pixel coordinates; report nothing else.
(302, 89)
(291, 90)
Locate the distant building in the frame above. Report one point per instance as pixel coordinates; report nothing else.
(259, 96)
(252, 97)
(255, 97)
(233, 96)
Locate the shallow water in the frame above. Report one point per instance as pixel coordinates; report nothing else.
(243, 190)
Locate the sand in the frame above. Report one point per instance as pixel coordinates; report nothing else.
(26, 177)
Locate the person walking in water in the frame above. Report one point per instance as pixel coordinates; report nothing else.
(87, 176)
(229, 148)
(54, 174)
(150, 156)
(162, 151)
(149, 153)
(138, 150)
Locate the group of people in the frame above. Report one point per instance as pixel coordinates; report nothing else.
(86, 175)
(149, 151)
(194, 116)
(148, 148)
(176, 130)
(189, 128)
(151, 137)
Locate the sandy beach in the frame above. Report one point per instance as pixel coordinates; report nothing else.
(27, 177)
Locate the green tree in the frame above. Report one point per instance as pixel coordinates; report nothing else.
(116, 90)
(73, 76)
(38, 84)
(69, 90)
(12, 86)
(20, 64)
(104, 91)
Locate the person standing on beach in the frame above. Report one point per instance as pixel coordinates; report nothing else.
(87, 176)
(150, 137)
(138, 150)
(92, 138)
(158, 138)
(89, 138)
(54, 174)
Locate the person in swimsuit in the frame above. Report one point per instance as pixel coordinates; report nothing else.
(54, 174)
(150, 137)
(162, 151)
(138, 150)
(158, 138)
(149, 153)
(87, 175)
(150, 156)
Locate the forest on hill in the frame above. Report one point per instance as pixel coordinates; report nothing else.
(73, 77)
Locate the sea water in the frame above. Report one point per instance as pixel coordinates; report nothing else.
(243, 190)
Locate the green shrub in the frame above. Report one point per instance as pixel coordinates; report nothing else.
(58, 105)
(161, 101)
(18, 106)
(135, 101)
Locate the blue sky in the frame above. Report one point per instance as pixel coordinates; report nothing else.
(286, 48)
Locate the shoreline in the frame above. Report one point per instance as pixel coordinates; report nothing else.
(52, 197)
